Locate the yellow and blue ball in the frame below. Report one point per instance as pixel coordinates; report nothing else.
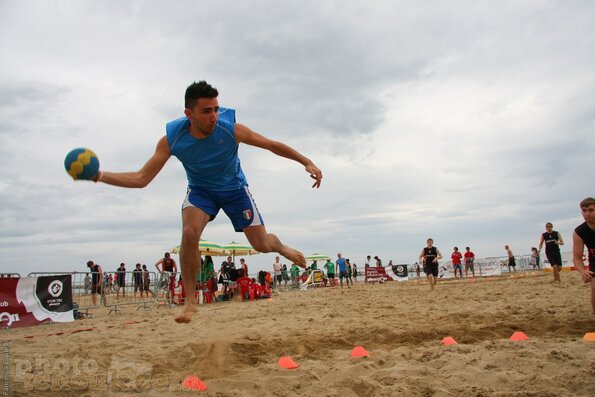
(81, 163)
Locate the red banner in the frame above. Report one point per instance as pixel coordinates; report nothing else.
(32, 300)
(376, 275)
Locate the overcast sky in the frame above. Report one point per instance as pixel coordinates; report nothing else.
(471, 122)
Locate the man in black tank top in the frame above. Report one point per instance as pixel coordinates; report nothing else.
(169, 265)
(553, 241)
(430, 256)
(584, 235)
(96, 280)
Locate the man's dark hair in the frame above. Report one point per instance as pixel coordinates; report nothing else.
(202, 89)
(587, 202)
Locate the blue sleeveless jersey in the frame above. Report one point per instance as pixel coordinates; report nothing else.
(211, 163)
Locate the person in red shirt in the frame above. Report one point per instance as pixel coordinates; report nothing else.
(168, 265)
(256, 288)
(244, 266)
(243, 285)
(182, 296)
(469, 261)
(456, 262)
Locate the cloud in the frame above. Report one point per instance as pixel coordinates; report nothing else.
(470, 123)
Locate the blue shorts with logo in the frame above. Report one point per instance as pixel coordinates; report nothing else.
(238, 205)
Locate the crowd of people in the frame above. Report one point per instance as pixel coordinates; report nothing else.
(235, 281)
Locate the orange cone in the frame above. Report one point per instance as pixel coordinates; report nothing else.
(192, 382)
(287, 362)
(519, 335)
(359, 351)
(589, 337)
(449, 340)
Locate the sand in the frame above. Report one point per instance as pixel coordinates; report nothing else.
(234, 347)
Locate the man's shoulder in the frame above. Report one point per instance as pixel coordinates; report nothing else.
(175, 125)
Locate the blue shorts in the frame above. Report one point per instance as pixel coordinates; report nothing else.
(238, 205)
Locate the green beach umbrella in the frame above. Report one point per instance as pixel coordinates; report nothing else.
(239, 249)
(206, 248)
(317, 257)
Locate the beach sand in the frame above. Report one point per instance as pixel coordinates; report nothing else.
(234, 347)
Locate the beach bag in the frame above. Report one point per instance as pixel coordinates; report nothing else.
(215, 286)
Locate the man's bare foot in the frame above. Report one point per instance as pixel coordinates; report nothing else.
(295, 256)
(187, 313)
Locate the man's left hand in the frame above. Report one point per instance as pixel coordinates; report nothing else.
(315, 173)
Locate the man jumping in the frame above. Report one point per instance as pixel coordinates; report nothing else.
(206, 141)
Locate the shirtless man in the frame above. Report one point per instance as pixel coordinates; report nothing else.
(511, 261)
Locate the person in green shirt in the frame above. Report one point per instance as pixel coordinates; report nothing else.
(330, 272)
(295, 274)
(314, 266)
(207, 276)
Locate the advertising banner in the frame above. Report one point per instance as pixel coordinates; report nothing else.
(376, 275)
(446, 270)
(398, 272)
(32, 300)
(488, 267)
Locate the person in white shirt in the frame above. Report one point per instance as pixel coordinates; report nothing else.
(277, 270)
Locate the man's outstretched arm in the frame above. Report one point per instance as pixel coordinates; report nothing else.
(249, 137)
(142, 177)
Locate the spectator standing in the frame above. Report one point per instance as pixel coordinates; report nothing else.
(137, 280)
(295, 274)
(456, 257)
(96, 280)
(284, 275)
(355, 274)
(244, 266)
(209, 277)
(535, 258)
(277, 273)
(330, 272)
(169, 268)
(349, 271)
(511, 261)
(121, 273)
(469, 261)
(147, 282)
(341, 268)
(226, 268)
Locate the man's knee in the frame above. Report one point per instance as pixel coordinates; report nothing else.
(190, 234)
